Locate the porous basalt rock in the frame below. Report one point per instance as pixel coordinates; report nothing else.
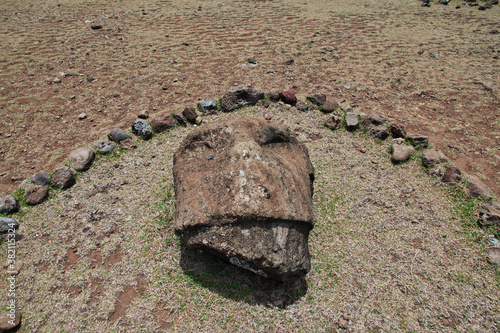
(244, 193)
(240, 96)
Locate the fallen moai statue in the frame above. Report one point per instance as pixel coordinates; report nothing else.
(244, 193)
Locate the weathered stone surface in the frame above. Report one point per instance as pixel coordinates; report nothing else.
(207, 107)
(397, 131)
(36, 194)
(493, 254)
(489, 215)
(477, 188)
(190, 114)
(452, 175)
(117, 135)
(8, 204)
(104, 147)
(41, 178)
(432, 157)
(81, 159)
(162, 123)
(317, 99)
(418, 140)
(401, 153)
(128, 144)
(288, 97)
(240, 96)
(6, 224)
(179, 119)
(244, 193)
(9, 320)
(333, 123)
(141, 128)
(63, 178)
(273, 96)
(143, 114)
(379, 132)
(374, 120)
(352, 121)
(329, 106)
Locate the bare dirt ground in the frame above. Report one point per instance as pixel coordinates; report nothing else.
(434, 69)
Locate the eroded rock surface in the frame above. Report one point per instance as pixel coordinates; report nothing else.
(244, 193)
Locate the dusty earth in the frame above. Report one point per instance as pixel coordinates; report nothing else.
(434, 69)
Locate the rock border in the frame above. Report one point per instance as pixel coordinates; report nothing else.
(405, 146)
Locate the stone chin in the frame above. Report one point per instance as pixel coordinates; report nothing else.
(244, 193)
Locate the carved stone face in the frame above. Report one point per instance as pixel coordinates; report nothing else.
(241, 186)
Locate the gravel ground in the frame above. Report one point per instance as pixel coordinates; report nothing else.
(389, 251)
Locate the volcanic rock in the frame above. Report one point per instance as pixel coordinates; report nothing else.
(379, 132)
(244, 193)
(401, 153)
(317, 99)
(41, 178)
(418, 140)
(179, 119)
(6, 224)
(432, 157)
(9, 321)
(288, 96)
(489, 215)
(81, 159)
(8, 205)
(352, 121)
(117, 135)
(190, 114)
(63, 178)
(329, 106)
(240, 96)
(163, 123)
(36, 194)
(478, 189)
(397, 131)
(452, 175)
(207, 107)
(104, 147)
(333, 122)
(141, 128)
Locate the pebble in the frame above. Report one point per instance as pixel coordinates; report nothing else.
(7, 223)
(82, 116)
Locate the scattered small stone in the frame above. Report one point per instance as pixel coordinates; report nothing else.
(57, 80)
(82, 116)
(493, 254)
(265, 103)
(273, 96)
(162, 123)
(143, 114)
(489, 215)
(7, 223)
(63, 178)
(81, 159)
(452, 175)
(343, 324)
(240, 96)
(208, 107)
(398, 141)
(290, 61)
(352, 121)
(90, 79)
(373, 120)
(198, 120)
(96, 26)
(401, 153)
(329, 106)
(379, 132)
(72, 97)
(288, 97)
(8, 135)
(397, 131)
(8, 205)
(36, 194)
(141, 128)
(333, 122)
(104, 147)
(128, 144)
(267, 116)
(190, 114)
(432, 157)
(9, 321)
(252, 61)
(418, 140)
(117, 135)
(477, 188)
(41, 178)
(317, 99)
(179, 119)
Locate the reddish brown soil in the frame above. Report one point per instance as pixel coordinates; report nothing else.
(435, 70)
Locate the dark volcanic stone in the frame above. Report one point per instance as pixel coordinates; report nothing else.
(81, 159)
(288, 96)
(208, 107)
(141, 128)
(42, 179)
(104, 147)
(179, 119)
(8, 205)
(333, 122)
(329, 106)
(317, 99)
(273, 96)
(452, 175)
(163, 123)
(6, 224)
(379, 132)
(244, 193)
(36, 194)
(240, 96)
(190, 114)
(397, 131)
(117, 135)
(63, 178)
(432, 157)
(352, 121)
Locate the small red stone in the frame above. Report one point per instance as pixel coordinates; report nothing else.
(288, 97)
